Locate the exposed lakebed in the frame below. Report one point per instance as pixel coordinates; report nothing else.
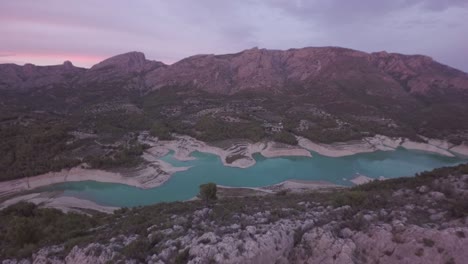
(267, 171)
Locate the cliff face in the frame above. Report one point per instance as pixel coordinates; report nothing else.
(420, 74)
(275, 70)
(120, 67)
(414, 220)
(122, 72)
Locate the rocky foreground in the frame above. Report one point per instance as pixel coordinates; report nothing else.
(423, 219)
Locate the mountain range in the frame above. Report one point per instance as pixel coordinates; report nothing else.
(255, 69)
(326, 94)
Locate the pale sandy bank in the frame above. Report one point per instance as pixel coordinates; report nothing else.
(241, 154)
(383, 143)
(293, 186)
(361, 179)
(154, 174)
(65, 204)
(184, 146)
(300, 186)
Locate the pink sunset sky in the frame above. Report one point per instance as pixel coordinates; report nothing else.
(87, 31)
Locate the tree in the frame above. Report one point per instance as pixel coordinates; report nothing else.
(161, 131)
(24, 209)
(285, 137)
(208, 192)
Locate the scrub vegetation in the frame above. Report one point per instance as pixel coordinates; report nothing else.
(40, 132)
(24, 228)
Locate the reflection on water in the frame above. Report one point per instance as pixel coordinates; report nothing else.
(267, 171)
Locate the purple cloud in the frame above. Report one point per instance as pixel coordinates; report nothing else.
(51, 31)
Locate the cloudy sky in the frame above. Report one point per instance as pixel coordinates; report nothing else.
(87, 31)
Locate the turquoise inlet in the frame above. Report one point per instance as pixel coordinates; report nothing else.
(208, 168)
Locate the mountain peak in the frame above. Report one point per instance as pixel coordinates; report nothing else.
(130, 61)
(68, 64)
(115, 68)
(29, 66)
(254, 49)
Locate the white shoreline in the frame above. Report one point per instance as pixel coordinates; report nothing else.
(157, 172)
(62, 203)
(294, 185)
(183, 146)
(144, 178)
(291, 185)
(384, 143)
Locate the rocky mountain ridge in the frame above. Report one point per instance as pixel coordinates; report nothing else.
(270, 70)
(262, 70)
(128, 65)
(23, 78)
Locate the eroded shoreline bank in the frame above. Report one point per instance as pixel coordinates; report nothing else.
(156, 172)
(56, 200)
(184, 146)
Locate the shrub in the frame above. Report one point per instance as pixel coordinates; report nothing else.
(298, 234)
(204, 241)
(182, 257)
(450, 261)
(282, 193)
(123, 157)
(208, 192)
(231, 159)
(352, 198)
(419, 252)
(20, 209)
(458, 208)
(161, 131)
(212, 129)
(23, 231)
(138, 249)
(24, 228)
(285, 137)
(358, 223)
(428, 242)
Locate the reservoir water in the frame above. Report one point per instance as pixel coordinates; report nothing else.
(208, 168)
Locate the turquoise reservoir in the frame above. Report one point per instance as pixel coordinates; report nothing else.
(208, 168)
